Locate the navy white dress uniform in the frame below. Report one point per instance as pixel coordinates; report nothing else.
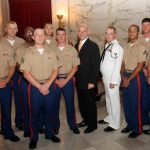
(110, 68)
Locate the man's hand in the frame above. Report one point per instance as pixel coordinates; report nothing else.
(3, 83)
(44, 89)
(145, 72)
(111, 86)
(126, 82)
(61, 82)
(90, 85)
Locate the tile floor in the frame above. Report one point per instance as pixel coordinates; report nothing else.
(98, 140)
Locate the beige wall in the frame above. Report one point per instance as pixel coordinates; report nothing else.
(4, 14)
(99, 14)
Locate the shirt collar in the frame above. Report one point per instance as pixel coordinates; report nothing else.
(83, 41)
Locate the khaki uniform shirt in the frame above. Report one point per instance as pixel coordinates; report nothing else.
(52, 45)
(40, 66)
(147, 45)
(18, 41)
(134, 54)
(68, 58)
(20, 52)
(7, 61)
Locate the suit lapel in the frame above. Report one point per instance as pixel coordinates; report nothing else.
(83, 48)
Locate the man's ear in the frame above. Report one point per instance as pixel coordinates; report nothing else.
(5, 29)
(17, 30)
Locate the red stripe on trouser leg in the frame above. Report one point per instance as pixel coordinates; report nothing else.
(29, 103)
(139, 105)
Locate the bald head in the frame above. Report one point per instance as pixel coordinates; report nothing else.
(39, 36)
(38, 31)
(83, 31)
(85, 26)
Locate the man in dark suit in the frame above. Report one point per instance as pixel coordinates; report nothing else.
(86, 78)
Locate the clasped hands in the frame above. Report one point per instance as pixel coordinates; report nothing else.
(44, 88)
(3, 83)
(61, 83)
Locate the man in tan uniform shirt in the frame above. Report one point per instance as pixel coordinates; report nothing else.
(40, 68)
(7, 68)
(145, 39)
(69, 61)
(23, 83)
(11, 41)
(49, 39)
(134, 81)
(21, 49)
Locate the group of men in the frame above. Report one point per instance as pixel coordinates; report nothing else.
(41, 69)
(127, 64)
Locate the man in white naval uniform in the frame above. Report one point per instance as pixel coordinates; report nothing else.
(110, 66)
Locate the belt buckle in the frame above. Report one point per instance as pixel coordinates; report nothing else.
(42, 81)
(62, 76)
(129, 71)
(3, 78)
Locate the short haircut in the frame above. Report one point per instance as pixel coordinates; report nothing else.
(47, 23)
(38, 29)
(28, 28)
(10, 22)
(145, 20)
(136, 26)
(112, 27)
(60, 29)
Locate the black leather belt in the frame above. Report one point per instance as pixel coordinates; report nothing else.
(3, 78)
(128, 71)
(63, 76)
(42, 81)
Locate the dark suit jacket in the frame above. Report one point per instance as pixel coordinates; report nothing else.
(88, 70)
